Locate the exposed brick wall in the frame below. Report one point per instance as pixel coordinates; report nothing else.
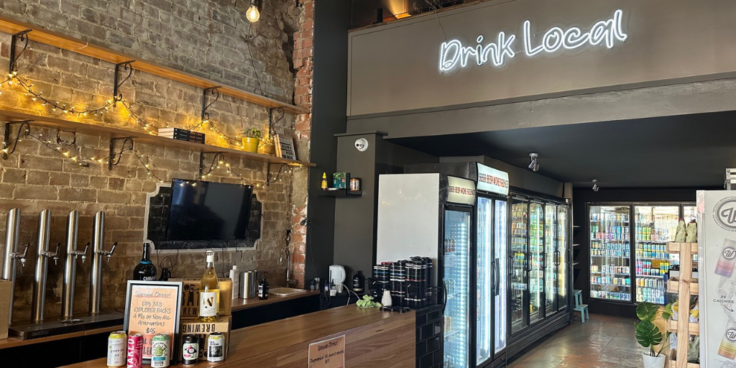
(207, 38)
(303, 52)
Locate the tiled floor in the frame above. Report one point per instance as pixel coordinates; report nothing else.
(601, 342)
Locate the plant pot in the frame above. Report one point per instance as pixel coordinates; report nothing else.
(653, 362)
(250, 144)
(266, 147)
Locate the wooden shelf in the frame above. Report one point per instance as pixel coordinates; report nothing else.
(673, 364)
(341, 193)
(140, 136)
(693, 328)
(674, 287)
(676, 247)
(39, 34)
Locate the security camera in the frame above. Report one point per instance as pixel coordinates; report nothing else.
(361, 144)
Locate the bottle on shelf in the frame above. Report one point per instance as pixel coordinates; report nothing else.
(263, 288)
(209, 291)
(145, 270)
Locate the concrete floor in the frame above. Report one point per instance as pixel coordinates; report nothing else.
(601, 342)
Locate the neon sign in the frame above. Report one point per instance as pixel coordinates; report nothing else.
(454, 53)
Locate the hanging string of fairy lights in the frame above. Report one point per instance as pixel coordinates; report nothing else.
(219, 162)
(129, 146)
(205, 118)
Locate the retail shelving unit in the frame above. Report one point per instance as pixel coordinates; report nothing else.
(685, 287)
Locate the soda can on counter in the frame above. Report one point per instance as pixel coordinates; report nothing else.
(354, 184)
(116, 349)
(216, 347)
(134, 355)
(160, 347)
(190, 349)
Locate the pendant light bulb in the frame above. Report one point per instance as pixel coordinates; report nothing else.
(253, 14)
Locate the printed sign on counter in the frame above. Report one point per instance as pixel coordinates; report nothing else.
(152, 307)
(328, 353)
(460, 190)
(492, 180)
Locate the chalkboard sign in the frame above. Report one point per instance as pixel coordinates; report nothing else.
(151, 308)
(158, 205)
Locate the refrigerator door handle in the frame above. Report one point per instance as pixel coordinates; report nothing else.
(512, 262)
(444, 296)
(496, 276)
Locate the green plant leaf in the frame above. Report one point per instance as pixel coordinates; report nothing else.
(647, 334)
(646, 311)
(667, 312)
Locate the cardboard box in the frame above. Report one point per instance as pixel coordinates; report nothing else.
(204, 329)
(5, 290)
(190, 298)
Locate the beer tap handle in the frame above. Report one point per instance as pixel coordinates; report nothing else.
(84, 254)
(55, 255)
(112, 250)
(22, 256)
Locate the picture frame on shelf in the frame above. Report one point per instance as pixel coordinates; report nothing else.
(284, 146)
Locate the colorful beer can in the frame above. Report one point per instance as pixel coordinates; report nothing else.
(190, 349)
(160, 347)
(216, 347)
(116, 349)
(134, 355)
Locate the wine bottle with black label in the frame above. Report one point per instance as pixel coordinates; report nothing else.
(263, 288)
(145, 270)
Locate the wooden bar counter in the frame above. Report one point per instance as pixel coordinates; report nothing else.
(372, 339)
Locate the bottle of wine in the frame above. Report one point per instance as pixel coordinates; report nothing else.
(145, 270)
(209, 292)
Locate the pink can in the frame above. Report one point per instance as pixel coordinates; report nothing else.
(134, 357)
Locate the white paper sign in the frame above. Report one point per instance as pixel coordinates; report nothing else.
(461, 191)
(492, 180)
(717, 279)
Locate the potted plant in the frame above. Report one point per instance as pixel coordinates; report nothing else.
(649, 335)
(251, 138)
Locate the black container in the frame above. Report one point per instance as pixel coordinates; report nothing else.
(190, 349)
(359, 282)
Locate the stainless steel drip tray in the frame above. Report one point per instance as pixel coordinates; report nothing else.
(52, 328)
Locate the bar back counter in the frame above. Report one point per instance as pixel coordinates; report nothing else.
(372, 338)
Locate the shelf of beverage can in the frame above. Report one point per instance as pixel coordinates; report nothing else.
(626, 257)
(652, 276)
(610, 284)
(673, 286)
(693, 328)
(611, 240)
(652, 259)
(614, 274)
(651, 241)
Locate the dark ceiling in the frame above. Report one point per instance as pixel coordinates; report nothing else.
(667, 152)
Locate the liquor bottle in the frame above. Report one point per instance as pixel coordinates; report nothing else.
(263, 289)
(209, 291)
(145, 270)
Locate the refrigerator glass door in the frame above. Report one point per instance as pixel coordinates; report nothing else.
(456, 280)
(500, 222)
(518, 270)
(689, 215)
(536, 257)
(562, 251)
(655, 227)
(484, 284)
(550, 262)
(610, 258)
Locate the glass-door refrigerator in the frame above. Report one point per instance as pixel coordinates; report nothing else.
(563, 251)
(518, 272)
(536, 262)
(655, 226)
(551, 243)
(610, 253)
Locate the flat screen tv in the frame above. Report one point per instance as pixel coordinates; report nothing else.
(202, 210)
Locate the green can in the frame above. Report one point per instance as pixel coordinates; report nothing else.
(160, 348)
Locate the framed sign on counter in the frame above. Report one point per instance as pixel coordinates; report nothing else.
(151, 308)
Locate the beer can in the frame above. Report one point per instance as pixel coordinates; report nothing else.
(116, 349)
(190, 349)
(160, 347)
(134, 356)
(216, 347)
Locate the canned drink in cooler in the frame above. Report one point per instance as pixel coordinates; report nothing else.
(116, 349)
(134, 355)
(216, 347)
(160, 347)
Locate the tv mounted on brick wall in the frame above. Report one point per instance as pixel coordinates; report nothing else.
(202, 210)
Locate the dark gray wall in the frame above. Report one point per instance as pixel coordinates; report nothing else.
(355, 217)
(331, 23)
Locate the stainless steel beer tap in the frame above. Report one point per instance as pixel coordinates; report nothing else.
(12, 236)
(98, 251)
(39, 280)
(70, 269)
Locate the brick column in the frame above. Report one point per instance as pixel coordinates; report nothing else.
(303, 55)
